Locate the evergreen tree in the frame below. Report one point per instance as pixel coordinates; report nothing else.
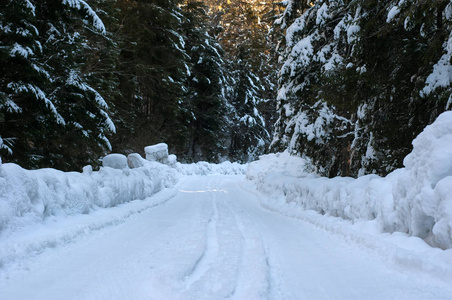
(249, 134)
(358, 81)
(311, 118)
(151, 75)
(21, 75)
(205, 100)
(242, 28)
(51, 114)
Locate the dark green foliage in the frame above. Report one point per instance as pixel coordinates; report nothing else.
(376, 79)
(249, 137)
(242, 29)
(204, 102)
(158, 65)
(178, 86)
(150, 73)
(52, 115)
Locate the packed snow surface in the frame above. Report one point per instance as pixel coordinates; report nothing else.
(30, 197)
(205, 168)
(210, 238)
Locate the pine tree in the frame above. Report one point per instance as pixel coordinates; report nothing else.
(357, 83)
(151, 75)
(55, 118)
(205, 100)
(242, 29)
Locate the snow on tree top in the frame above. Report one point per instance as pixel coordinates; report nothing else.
(81, 4)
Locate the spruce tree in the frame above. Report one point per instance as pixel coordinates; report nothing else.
(205, 102)
(54, 116)
(249, 136)
(360, 80)
(22, 100)
(151, 75)
(242, 29)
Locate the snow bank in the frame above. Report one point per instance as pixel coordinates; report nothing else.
(416, 200)
(205, 168)
(31, 196)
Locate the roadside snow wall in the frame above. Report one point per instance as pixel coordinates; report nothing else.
(31, 196)
(416, 199)
(205, 168)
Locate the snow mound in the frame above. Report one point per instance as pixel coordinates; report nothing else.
(425, 190)
(171, 160)
(431, 158)
(115, 161)
(134, 160)
(28, 197)
(280, 163)
(205, 168)
(157, 152)
(416, 200)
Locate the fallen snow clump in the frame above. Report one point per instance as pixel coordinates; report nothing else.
(115, 161)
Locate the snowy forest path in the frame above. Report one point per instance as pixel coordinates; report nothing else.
(213, 240)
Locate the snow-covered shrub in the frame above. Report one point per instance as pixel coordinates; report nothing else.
(416, 199)
(171, 160)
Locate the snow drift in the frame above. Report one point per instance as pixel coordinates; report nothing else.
(205, 168)
(31, 196)
(416, 199)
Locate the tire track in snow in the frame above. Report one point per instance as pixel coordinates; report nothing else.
(169, 253)
(258, 276)
(211, 249)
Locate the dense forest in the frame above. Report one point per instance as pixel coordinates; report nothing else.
(346, 83)
(360, 79)
(80, 79)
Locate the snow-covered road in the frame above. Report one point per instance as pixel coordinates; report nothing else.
(210, 240)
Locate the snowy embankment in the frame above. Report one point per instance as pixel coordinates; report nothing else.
(29, 197)
(43, 208)
(205, 168)
(415, 200)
